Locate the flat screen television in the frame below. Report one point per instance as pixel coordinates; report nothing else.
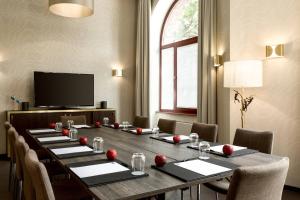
(63, 89)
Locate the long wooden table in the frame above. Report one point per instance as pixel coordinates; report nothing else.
(157, 182)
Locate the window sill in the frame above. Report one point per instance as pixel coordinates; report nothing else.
(177, 113)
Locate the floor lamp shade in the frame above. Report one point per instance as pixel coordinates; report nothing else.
(72, 8)
(243, 74)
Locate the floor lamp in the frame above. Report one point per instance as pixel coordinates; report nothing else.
(240, 75)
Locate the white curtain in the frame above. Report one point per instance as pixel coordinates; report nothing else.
(207, 104)
(142, 58)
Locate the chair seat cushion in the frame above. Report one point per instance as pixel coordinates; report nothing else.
(69, 190)
(220, 186)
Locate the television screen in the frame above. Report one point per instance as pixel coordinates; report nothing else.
(63, 89)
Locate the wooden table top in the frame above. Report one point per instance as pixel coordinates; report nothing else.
(157, 182)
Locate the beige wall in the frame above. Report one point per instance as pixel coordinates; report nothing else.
(253, 24)
(33, 39)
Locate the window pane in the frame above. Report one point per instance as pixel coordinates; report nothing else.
(187, 76)
(182, 22)
(167, 79)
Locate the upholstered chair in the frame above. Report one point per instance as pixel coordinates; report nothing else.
(207, 132)
(258, 140)
(78, 120)
(43, 189)
(21, 148)
(259, 182)
(141, 122)
(12, 136)
(261, 141)
(167, 125)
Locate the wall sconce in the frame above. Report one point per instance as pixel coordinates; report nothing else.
(275, 51)
(218, 60)
(117, 72)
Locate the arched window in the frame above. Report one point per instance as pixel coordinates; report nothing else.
(179, 58)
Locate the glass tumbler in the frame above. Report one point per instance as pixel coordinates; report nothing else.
(58, 126)
(155, 132)
(204, 147)
(70, 123)
(194, 139)
(138, 164)
(98, 144)
(125, 125)
(73, 134)
(105, 120)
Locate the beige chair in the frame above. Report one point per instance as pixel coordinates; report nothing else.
(207, 132)
(21, 148)
(12, 136)
(141, 122)
(78, 120)
(42, 187)
(261, 141)
(258, 140)
(263, 182)
(167, 125)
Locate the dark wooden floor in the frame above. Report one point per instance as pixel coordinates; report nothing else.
(205, 193)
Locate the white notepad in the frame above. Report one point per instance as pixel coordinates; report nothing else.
(51, 139)
(68, 150)
(145, 130)
(98, 169)
(182, 137)
(81, 126)
(202, 167)
(121, 126)
(219, 148)
(42, 130)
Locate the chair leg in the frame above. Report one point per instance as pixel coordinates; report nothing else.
(181, 194)
(217, 196)
(19, 194)
(10, 176)
(198, 192)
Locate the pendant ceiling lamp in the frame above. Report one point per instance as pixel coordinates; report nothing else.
(72, 8)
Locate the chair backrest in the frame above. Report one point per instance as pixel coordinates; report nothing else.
(19, 170)
(141, 122)
(7, 125)
(259, 140)
(12, 137)
(21, 150)
(39, 176)
(79, 119)
(259, 182)
(167, 125)
(207, 132)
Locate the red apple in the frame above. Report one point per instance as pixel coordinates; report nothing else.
(160, 160)
(111, 154)
(116, 125)
(176, 139)
(227, 149)
(65, 132)
(139, 131)
(83, 140)
(97, 124)
(52, 125)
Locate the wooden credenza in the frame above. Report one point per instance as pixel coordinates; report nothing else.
(32, 119)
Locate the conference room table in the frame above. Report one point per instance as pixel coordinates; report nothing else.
(157, 182)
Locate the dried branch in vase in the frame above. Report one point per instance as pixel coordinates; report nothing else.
(245, 102)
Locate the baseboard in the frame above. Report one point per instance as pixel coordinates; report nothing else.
(291, 188)
(4, 157)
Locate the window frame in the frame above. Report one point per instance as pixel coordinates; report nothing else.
(174, 46)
